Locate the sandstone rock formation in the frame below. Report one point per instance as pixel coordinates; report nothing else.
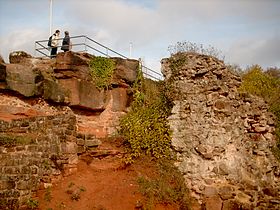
(2, 71)
(66, 80)
(223, 138)
(40, 142)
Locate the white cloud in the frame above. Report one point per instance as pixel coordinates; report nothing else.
(19, 40)
(264, 51)
(152, 27)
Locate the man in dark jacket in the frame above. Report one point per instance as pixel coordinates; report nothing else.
(66, 44)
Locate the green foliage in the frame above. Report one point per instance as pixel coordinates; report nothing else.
(74, 191)
(186, 46)
(101, 70)
(177, 61)
(145, 127)
(263, 84)
(46, 164)
(32, 204)
(256, 82)
(48, 194)
(168, 187)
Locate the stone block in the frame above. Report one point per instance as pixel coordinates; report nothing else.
(226, 192)
(223, 169)
(23, 185)
(12, 170)
(69, 147)
(2, 72)
(22, 79)
(80, 142)
(126, 70)
(230, 205)
(92, 142)
(119, 99)
(81, 149)
(210, 191)
(73, 160)
(213, 203)
(25, 170)
(18, 56)
(7, 185)
(32, 148)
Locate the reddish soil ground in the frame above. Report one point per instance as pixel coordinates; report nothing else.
(101, 184)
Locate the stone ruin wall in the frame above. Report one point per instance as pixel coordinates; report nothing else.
(45, 149)
(49, 139)
(223, 138)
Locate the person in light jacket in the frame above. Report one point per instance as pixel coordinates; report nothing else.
(66, 44)
(54, 44)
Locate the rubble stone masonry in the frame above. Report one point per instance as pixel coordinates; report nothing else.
(35, 151)
(223, 138)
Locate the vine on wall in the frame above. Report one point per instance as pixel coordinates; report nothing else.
(101, 70)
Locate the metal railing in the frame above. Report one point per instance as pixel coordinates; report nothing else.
(83, 43)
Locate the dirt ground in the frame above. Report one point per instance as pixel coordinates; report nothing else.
(100, 184)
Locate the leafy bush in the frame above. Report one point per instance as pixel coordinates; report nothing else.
(32, 204)
(168, 187)
(75, 191)
(145, 127)
(256, 82)
(262, 84)
(101, 70)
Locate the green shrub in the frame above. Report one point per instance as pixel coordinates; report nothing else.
(75, 191)
(32, 204)
(101, 70)
(168, 187)
(145, 127)
(48, 194)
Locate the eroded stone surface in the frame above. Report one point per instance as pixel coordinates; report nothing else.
(223, 138)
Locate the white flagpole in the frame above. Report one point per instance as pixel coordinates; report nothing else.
(50, 17)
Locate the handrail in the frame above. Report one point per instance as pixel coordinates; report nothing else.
(42, 48)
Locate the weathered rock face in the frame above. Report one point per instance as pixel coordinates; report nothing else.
(223, 138)
(67, 80)
(18, 56)
(37, 147)
(24, 80)
(39, 142)
(2, 70)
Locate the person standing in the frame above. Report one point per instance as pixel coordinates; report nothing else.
(66, 44)
(54, 43)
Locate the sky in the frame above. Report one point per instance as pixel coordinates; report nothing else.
(247, 32)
